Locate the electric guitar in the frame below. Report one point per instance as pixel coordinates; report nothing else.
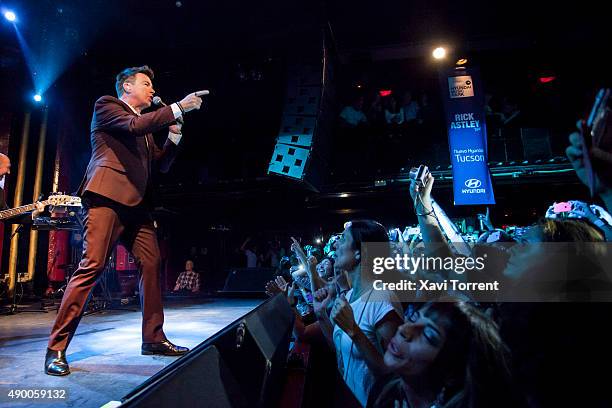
(54, 199)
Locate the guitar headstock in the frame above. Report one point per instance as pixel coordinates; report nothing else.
(58, 199)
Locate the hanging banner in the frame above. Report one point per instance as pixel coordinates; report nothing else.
(463, 98)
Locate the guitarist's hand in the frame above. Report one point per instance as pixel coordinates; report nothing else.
(40, 207)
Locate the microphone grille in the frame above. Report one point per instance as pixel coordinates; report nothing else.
(157, 100)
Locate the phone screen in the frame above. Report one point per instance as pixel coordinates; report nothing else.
(562, 207)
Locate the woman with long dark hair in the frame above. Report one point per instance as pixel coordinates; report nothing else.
(361, 322)
(447, 354)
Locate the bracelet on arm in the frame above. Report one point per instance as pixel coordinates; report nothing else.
(181, 108)
(425, 214)
(430, 213)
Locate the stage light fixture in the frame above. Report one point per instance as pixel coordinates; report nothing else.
(462, 61)
(439, 53)
(37, 98)
(10, 16)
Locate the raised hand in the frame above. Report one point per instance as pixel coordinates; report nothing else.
(486, 220)
(575, 153)
(342, 314)
(299, 252)
(190, 102)
(601, 160)
(290, 297)
(421, 194)
(272, 288)
(312, 261)
(321, 299)
(281, 283)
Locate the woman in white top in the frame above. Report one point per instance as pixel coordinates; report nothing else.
(362, 321)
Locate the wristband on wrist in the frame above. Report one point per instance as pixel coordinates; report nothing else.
(181, 108)
(425, 214)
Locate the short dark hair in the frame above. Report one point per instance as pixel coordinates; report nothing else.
(128, 74)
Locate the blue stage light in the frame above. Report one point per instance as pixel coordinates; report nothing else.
(10, 16)
(38, 98)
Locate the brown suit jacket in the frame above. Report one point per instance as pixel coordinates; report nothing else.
(122, 150)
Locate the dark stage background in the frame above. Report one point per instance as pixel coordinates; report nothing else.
(218, 192)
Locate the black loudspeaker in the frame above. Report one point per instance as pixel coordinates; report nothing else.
(244, 365)
(504, 146)
(303, 143)
(536, 143)
(248, 280)
(206, 378)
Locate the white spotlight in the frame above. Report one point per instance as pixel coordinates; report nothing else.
(10, 16)
(439, 53)
(38, 97)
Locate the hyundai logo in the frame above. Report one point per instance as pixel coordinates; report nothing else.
(472, 183)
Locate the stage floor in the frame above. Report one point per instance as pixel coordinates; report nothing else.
(104, 355)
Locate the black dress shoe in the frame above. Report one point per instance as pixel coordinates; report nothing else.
(55, 363)
(165, 348)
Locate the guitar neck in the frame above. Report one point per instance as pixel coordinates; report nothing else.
(19, 210)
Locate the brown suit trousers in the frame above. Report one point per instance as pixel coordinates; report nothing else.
(103, 227)
(115, 185)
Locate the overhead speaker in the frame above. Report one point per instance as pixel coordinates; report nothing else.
(302, 146)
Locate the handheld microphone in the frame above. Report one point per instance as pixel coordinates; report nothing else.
(158, 101)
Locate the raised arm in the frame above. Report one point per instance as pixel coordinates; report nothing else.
(601, 161)
(310, 265)
(111, 115)
(423, 207)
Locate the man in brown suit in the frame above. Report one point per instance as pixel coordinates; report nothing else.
(116, 193)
